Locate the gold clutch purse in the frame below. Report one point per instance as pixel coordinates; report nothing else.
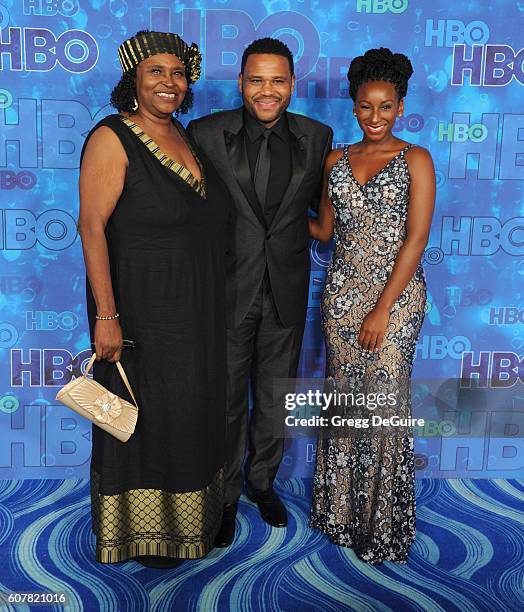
(91, 400)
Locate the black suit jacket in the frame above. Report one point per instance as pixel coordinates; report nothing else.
(283, 247)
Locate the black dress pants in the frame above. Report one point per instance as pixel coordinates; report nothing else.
(259, 350)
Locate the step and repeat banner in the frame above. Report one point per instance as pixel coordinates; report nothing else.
(58, 65)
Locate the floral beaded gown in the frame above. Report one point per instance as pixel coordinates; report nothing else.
(363, 488)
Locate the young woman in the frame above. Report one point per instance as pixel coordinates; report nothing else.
(378, 201)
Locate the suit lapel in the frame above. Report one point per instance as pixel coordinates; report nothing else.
(236, 151)
(299, 159)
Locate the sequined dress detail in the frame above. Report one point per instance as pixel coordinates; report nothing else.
(363, 487)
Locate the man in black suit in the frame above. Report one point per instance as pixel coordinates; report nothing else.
(271, 161)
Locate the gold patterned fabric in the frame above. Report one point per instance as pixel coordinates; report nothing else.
(179, 169)
(155, 522)
(145, 44)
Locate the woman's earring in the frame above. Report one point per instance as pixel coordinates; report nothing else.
(135, 104)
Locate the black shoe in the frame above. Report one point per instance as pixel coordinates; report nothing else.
(226, 534)
(271, 507)
(158, 562)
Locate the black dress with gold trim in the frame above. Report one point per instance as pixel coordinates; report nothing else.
(161, 493)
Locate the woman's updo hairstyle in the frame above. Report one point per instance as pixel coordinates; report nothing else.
(380, 65)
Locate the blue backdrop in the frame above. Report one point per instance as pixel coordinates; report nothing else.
(58, 64)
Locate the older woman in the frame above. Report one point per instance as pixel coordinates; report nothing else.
(152, 222)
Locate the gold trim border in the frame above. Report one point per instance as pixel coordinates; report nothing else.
(178, 169)
(181, 525)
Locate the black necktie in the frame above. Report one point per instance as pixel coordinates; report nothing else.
(262, 168)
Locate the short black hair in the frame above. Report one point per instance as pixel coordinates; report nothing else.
(380, 65)
(123, 96)
(272, 46)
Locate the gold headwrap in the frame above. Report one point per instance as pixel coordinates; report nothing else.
(145, 44)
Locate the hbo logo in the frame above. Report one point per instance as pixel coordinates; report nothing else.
(49, 320)
(433, 429)
(449, 32)
(38, 49)
(11, 180)
(506, 316)
(411, 123)
(440, 347)
(49, 8)
(381, 6)
(460, 132)
(20, 229)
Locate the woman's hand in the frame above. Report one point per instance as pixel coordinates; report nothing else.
(373, 328)
(108, 340)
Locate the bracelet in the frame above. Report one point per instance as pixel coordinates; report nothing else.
(107, 318)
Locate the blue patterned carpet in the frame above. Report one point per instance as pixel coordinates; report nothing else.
(468, 556)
